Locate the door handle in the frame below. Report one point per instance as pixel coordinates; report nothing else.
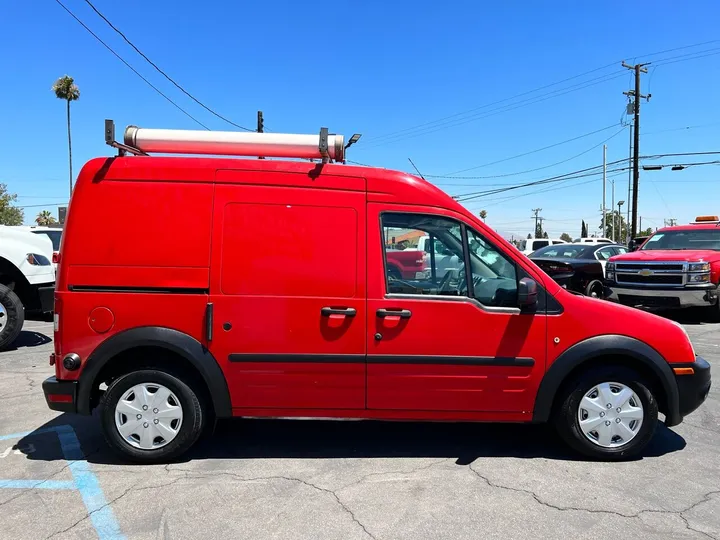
(402, 313)
(346, 311)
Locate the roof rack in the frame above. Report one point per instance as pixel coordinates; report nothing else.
(142, 141)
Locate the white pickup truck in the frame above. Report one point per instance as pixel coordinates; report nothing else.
(27, 280)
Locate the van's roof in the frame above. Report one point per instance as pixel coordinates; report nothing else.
(381, 184)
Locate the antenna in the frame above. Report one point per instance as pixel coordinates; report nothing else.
(416, 169)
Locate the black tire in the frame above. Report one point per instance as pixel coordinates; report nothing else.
(193, 420)
(14, 315)
(566, 414)
(714, 312)
(595, 286)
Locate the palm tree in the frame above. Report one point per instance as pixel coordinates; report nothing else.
(45, 219)
(483, 214)
(65, 88)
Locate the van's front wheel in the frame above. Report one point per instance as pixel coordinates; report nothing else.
(151, 416)
(608, 413)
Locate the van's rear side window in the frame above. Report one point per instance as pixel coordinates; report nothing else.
(289, 250)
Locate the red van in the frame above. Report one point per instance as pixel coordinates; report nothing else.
(225, 287)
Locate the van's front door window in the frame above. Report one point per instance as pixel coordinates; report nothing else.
(423, 255)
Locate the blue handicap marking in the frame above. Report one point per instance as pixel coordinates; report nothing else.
(84, 480)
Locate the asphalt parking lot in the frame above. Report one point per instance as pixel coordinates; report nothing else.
(354, 480)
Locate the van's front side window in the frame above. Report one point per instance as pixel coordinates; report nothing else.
(423, 255)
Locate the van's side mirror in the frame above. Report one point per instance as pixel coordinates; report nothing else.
(527, 292)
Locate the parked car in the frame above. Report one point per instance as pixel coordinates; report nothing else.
(275, 302)
(676, 267)
(527, 246)
(578, 267)
(27, 280)
(53, 233)
(637, 243)
(593, 241)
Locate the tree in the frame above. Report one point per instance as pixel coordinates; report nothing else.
(65, 88)
(483, 214)
(615, 226)
(545, 234)
(565, 236)
(583, 230)
(9, 214)
(645, 232)
(46, 219)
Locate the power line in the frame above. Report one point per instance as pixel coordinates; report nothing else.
(447, 121)
(506, 108)
(537, 150)
(582, 173)
(528, 170)
(136, 72)
(413, 128)
(177, 85)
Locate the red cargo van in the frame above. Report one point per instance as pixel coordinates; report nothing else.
(276, 301)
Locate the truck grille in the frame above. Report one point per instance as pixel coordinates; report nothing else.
(664, 267)
(650, 273)
(661, 279)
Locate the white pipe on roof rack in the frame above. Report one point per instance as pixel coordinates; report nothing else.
(287, 145)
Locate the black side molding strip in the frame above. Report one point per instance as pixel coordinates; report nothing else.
(453, 360)
(390, 359)
(209, 321)
(145, 290)
(298, 358)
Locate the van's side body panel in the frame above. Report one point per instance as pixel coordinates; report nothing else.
(288, 289)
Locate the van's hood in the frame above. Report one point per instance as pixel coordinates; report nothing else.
(40, 243)
(689, 255)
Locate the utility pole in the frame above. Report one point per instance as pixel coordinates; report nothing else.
(537, 211)
(604, 214)
(640, 224)
(638, 68)
(626, 239)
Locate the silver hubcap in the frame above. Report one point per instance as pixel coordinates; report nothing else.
(148, 416)
(3, 318)
(610, 414)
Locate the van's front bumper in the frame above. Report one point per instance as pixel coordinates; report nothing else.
(662, 297)
(60, 395)
(693, 387)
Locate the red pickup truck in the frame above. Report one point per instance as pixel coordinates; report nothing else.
(676, 267)
(405, 264)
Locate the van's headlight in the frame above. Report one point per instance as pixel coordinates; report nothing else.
(610, 271)
(37, 260)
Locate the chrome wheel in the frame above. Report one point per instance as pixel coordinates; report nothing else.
(148, 416)
(610, 414)
(3, 318)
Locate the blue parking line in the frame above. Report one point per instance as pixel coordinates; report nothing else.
(36, 484)
(84, 480)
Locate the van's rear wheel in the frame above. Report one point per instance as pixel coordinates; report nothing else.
(151, 416)
(607, 413)
(12, 316)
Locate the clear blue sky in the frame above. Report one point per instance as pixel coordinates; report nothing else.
(376, 68)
